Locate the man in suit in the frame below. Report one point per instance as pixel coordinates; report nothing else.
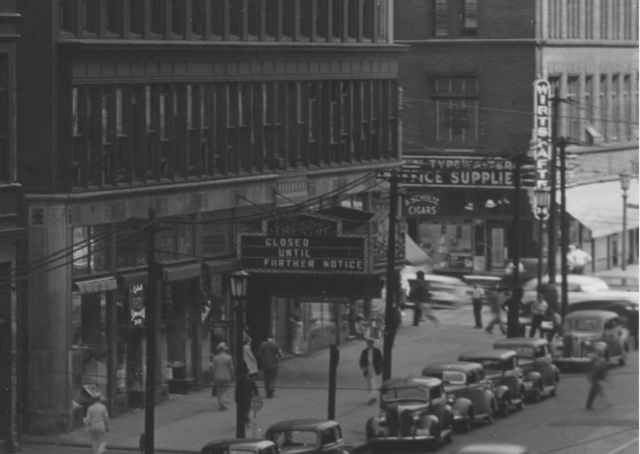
(269, 355)
(371, 366)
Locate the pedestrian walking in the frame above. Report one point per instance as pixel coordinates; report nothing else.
(477, 297)
(295, 321)
(223, 374)
(97, 424)
(597, 375)
(249, 358)
(419, 296)
(269, 355)
(246, 393)
(632, 323)
(495, 303)
(538, 311)
(371, 366)
(578, 259)
(556, 325)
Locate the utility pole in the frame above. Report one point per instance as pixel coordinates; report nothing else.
(553, 207)
(390, 319)
(334, 359)
(513, 324)
(150, 314)
(564, 245)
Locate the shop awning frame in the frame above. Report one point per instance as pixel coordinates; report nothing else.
(103, 284)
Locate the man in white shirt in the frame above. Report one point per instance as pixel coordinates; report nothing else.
(578, 259)
(477, 297)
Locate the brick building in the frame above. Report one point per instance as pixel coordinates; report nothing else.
(212, 113)
(12, 235)
(467, 85)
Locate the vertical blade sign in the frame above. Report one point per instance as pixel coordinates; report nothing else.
(542, 119)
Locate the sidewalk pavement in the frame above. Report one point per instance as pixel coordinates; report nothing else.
(185, 423)
(631, 271)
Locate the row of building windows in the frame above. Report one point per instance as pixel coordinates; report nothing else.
(592, 19)
(606, 105)
(149, 132)
(227, 20)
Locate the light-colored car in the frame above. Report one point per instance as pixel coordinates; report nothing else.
(580, 288)
(588, 330)
(446, 290)
(493, 448)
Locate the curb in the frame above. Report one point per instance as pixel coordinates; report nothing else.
(29, 440)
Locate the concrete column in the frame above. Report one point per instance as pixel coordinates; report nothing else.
(50, 327)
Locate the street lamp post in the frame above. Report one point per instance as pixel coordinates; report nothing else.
(543, 197)
(625, 179)
(239, 281)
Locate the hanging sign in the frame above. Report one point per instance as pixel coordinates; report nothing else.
(456, 172)
(542, 127)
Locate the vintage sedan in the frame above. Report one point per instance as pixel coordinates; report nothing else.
(501, 369)
(534, 357)
(240, 446)
(588, 330)
(307, 436)
(468, 391)
(412, 411)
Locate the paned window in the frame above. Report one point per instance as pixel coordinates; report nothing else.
(178, 17)
(604, 107)
(91, 15)
(66, 15)
(114, 16)
(589, 99)
(455, 110)
(470, 18)
(197, 17)
(91, 249)
(627, 112)
(136, 17)
(615, 107)
(574, 111)
(440, 18)
(158, 16)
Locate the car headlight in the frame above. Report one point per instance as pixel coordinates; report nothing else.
(451, 398)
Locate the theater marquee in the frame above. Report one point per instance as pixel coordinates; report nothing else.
(308, 243)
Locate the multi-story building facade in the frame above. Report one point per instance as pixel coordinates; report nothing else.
(210, 112)
(468, 81)
(12, 234)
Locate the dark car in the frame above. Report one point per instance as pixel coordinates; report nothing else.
(307, 436)
(412, 411)
(245, 445)
(468, 391)
(501, 369)
(534, 358)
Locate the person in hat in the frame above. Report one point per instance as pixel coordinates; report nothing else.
(494, 297)
(269, 354)
(223, 374)
(371, 366)
(97, 424)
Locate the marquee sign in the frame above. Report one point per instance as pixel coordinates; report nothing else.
(306, 243)
(542, 119)
(470, 172)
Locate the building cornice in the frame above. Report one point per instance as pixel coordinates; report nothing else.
(520, 41)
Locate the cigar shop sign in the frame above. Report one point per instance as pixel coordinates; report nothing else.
(306, 244)
(456, 172)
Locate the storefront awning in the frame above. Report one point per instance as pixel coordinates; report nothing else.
(414, 253)
(222, 265)
(128, 280)
(598, 206)
(182, 273)
(96, 285)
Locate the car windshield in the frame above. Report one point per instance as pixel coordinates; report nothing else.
(416, 393)
(287, 438)
(449, 377)
(491, 366)
(587, 325)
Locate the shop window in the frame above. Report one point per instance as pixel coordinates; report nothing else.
(321, 314)
(454, 110)
(448, 243)
(91, 249)
(89, 344)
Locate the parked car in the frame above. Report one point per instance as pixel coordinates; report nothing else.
(507, 379)
(493, 448)
(580, 288)
(412, 411)
(587, 330)
(620, 307)
(307, 436)
(244, 446)
(445, 290)
(468, 392)
(534, 357)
